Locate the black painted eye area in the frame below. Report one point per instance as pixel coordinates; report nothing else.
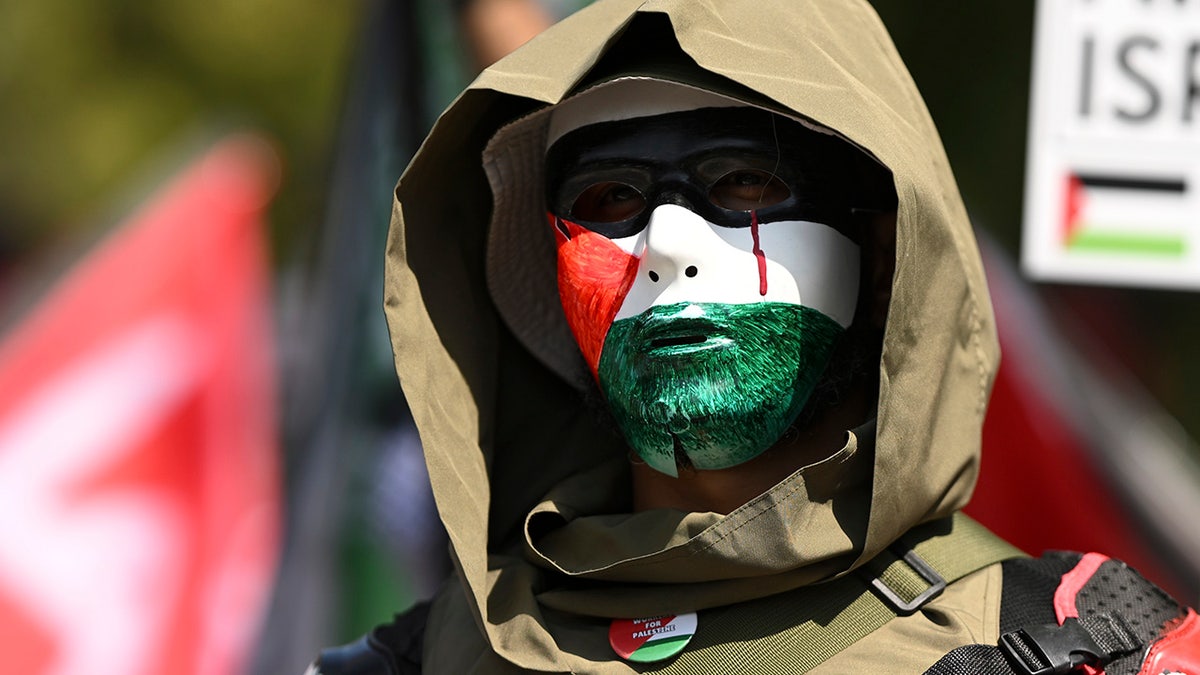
(748, 190)
(614, 201)
(721, 163)
(608, 202)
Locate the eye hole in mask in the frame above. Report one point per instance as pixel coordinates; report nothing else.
(738, 190)
(748, 190)
(608, 202)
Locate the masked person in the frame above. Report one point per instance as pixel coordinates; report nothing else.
(691, 320)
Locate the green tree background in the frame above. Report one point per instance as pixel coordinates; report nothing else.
(92, 92)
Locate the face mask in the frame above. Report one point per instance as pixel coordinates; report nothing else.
(703, 274)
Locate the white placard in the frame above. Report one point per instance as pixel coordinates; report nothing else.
(1112, 190)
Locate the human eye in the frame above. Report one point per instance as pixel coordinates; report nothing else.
(608, 202)
(748, 190)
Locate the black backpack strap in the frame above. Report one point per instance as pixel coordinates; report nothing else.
(972, 660)
(1026, 599)
(1027, 596)
(1120, 614)
(390, 649)
(1094, 641)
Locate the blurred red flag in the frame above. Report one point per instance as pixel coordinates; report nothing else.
(1044, 483)
(139, 496)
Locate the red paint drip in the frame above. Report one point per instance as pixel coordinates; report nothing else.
(758, 254)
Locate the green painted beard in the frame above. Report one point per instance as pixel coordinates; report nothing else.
(720, 383)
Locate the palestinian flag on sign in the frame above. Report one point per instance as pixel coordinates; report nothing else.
(1129, 215)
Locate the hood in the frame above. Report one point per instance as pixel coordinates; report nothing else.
(533, 489)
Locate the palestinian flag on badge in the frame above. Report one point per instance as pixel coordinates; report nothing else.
(1125, 215)
(651, 639)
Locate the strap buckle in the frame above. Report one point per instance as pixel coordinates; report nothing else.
(1050, 649)
(903, 607)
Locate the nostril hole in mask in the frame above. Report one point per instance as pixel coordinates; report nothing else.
(653, 275)
(691, 271)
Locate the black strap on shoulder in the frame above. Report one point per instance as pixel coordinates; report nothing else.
(356, 658)
(1050, 648)
(389, 649)
(1120, 614)
(1027, 596)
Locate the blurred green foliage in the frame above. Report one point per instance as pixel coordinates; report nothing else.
(91, 91)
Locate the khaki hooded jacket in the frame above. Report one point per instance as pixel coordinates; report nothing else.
(534, 491)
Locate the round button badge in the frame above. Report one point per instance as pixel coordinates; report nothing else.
(651, 639)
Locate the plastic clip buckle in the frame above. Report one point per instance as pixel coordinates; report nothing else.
(1047, 649)
(905, 607)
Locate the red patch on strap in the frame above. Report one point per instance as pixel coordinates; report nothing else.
(1072, 582)
(1068, 589)
(594, 275)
